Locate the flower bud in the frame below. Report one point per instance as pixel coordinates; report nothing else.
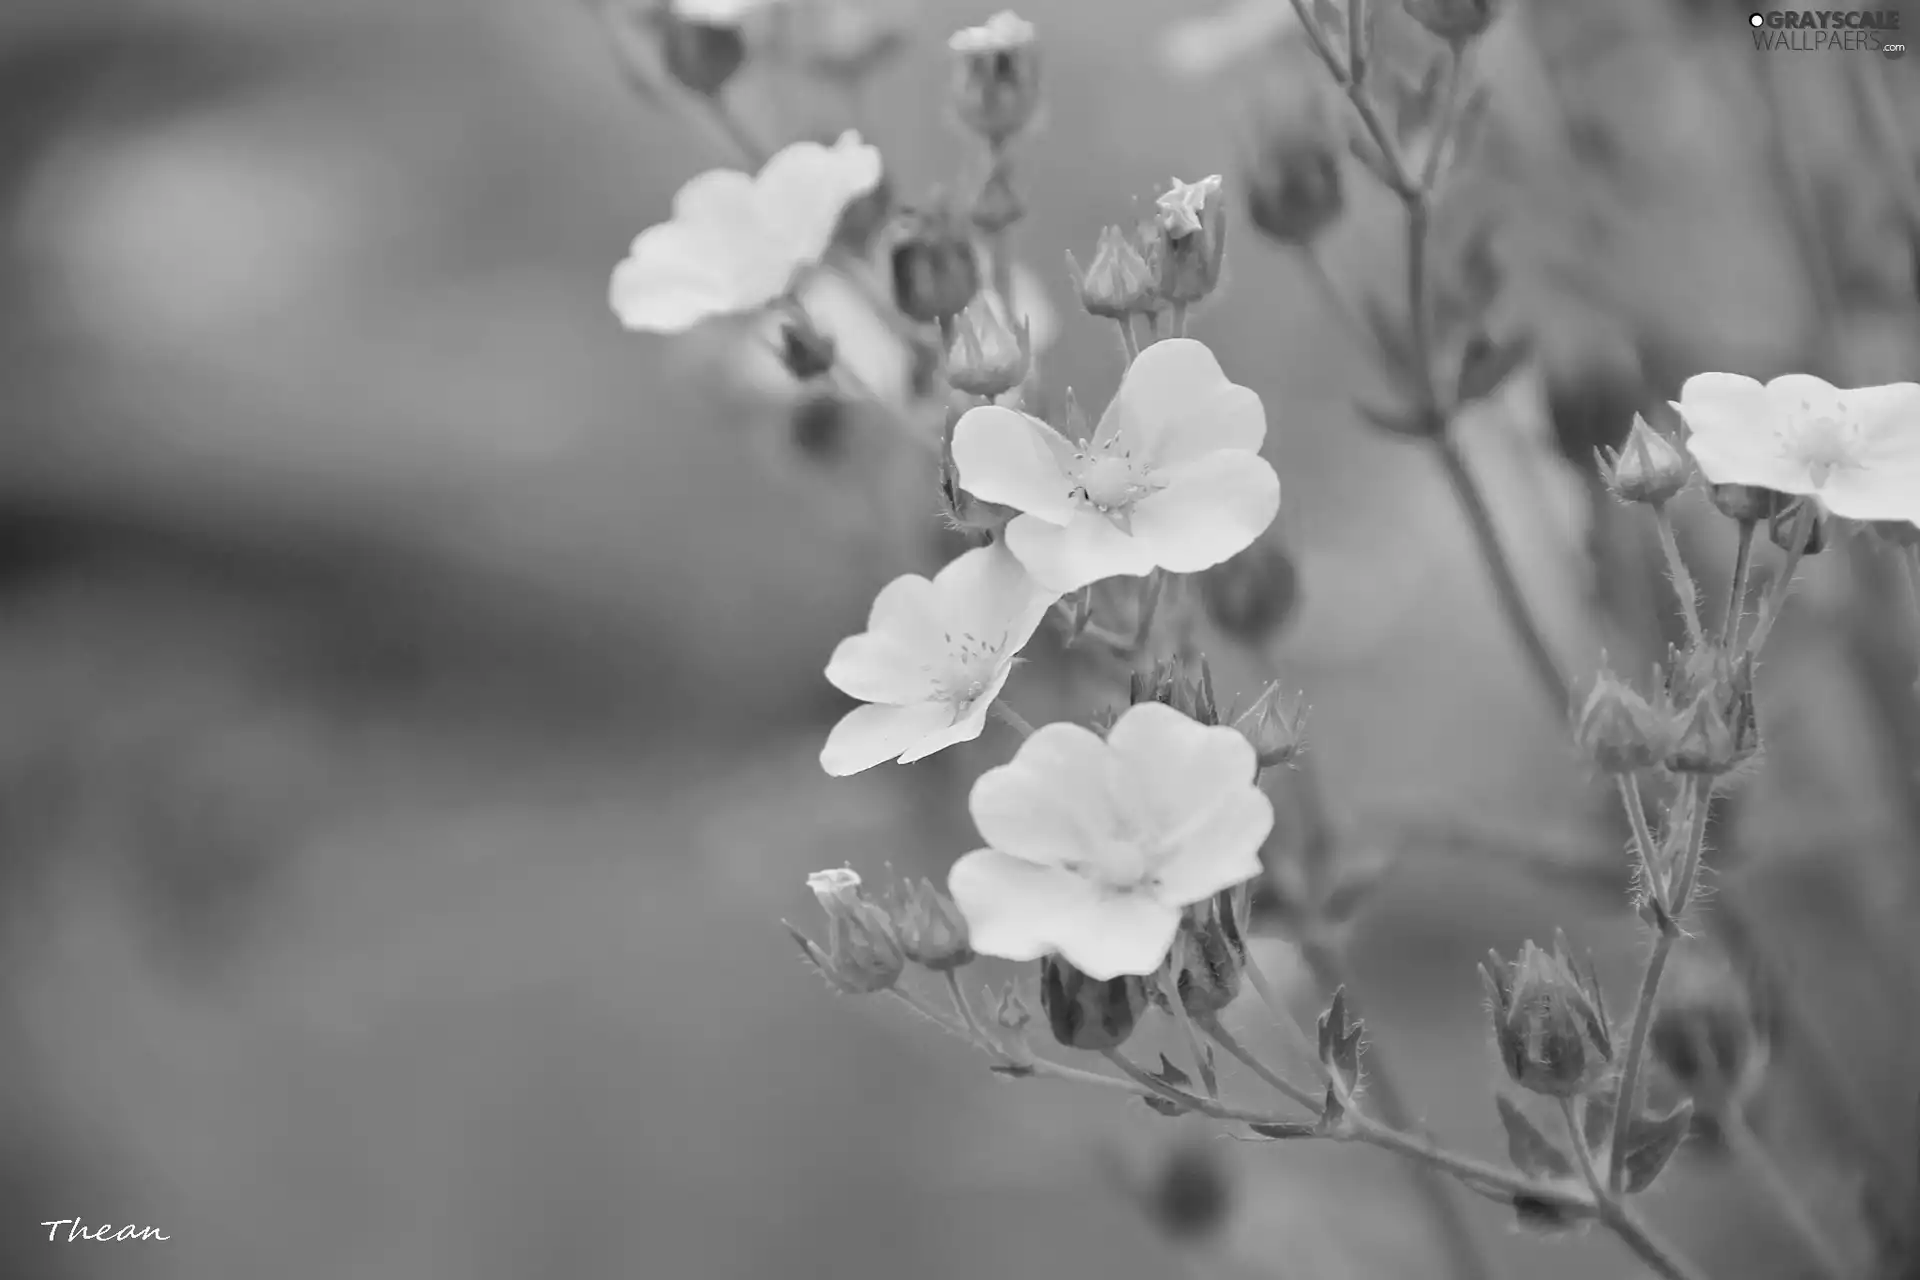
(986, 358)
(1209, 955)
(1742, 502)
(1251, 596)
(935, 272)
(862, 954)
(996, 80)
(1787, 519)
(1704, 742)
(1618, 729)
(1648, 468)
(1086, 1013)
(1293, 177)
(1185, 685)
(1549, 1021)
(1705, 1032)
(1273, 724)
(1455, 21)
(1120, 283)
(702, 56)
(930, 928)
(1192, 242)
(806, 352)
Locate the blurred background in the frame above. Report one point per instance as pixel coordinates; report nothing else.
(412, 681)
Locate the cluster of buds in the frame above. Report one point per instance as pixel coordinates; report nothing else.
(1647, 468)
(1186, 685)
(869, 943)
(996, 78)
(1549, 1020)
(1706, 722)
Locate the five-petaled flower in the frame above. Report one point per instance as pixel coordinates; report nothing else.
(1095, 845)
(934, 656)
(1172, 478)
(1856, 451)
(736, 242)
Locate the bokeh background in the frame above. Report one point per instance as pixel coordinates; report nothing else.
(411, 681)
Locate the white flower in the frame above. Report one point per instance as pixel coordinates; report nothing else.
(1096, 845)
(1180, 207)
(933, 658)
(1004, 30)
(872, 350)
(1171, 479)
(1856, 451)
(735, 242)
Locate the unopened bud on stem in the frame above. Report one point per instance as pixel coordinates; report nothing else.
(1647, 468)
(1192, 245)
(1619, 730)
(996, 81)
(935, 271)
(931, 930)
(1119, 283)
(862, 953)
(1549, 1020)
(986, 358)
(1086, 1013)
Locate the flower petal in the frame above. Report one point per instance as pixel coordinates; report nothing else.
(1014, 908)
(1053, 803)
(1803, 395)
(988, 596)
(674, 277)
(1738, 433)
(1175, 404)
(1176, 768)
(1212, 508)
(877, 666)
(967, 723)
(867, 736)
(805, 188)
(1087, 550)
(1008, 457)
(1219, 850)
(1886, 484)
(1124, 933)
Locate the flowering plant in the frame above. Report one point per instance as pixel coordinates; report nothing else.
(1123, 852)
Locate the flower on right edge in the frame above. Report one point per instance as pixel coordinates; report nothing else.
(1857, 452)
(1172, 478)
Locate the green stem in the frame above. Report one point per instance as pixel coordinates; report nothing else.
(1737, 594)
(1129, 344)
(1620, 1219)
(1212, 1026)
(1506, 584)
(1797, 537)
(1643, 843)
(1753, 1155)
(1012, 719)
(1682, 579)
(1466, 1255)
(1203, 1068)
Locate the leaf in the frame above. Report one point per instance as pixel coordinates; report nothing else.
(1165, 1106)
(1170, 1074)
(1596, 1123)
(1532, 1152)
(1651, 1142)
(1487, 364)
(1281, 1130)
(1012, 1070)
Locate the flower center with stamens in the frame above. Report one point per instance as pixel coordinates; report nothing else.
(1825, 446)
(1110, 483)
(972, 663)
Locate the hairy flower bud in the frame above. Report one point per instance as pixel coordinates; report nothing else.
(986, 358)
(1704, 742)
(1273, 724)
(1119, 283)
(935, 271)
(862, 953)
(1086, 1013)
(1549, 1020)
(1192, 240)
(930, 928)
(1251, 596)
(1648, 468)
(996, 80)
(1292, 176)
(1209, 955)
(1619, 730)
(1742, 502)
(1455, 21)
(1705, 1032)
(1185, 685)
(702, 56)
